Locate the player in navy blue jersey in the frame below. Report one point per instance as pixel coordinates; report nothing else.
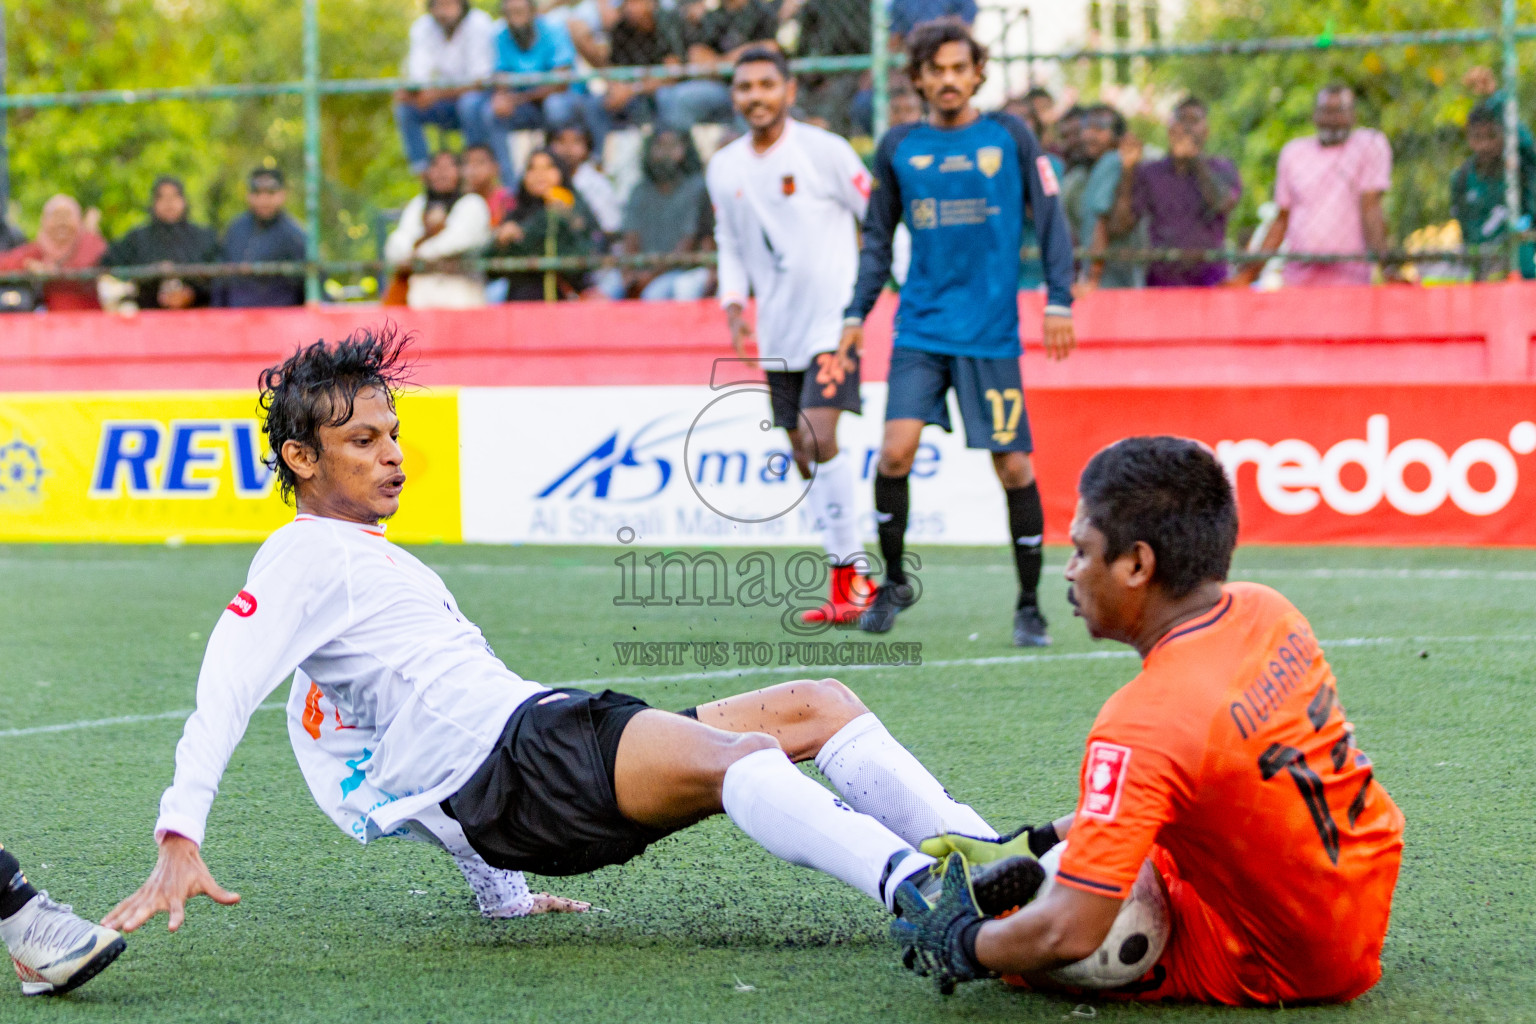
(963, 182)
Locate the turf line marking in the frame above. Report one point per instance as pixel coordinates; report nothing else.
(817, 670)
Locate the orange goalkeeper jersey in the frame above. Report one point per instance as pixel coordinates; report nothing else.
(1230, 751)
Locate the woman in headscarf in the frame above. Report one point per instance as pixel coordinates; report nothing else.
(550, 220)
(442, 223)
(168, 238)
(63, 243)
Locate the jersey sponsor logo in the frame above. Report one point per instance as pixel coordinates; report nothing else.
(1293, 477)
(925, 214)
(956, 162)
(921, 162)
(989, 159)
(1108, 764)
(787, 183)
(1048, 183)
(244, 604)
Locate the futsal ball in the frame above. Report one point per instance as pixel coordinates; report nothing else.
(1135, 940)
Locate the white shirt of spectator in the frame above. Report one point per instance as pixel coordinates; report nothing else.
(336, 604)
(786, 225)
(465, 233)
(600, 195)
(470, 53)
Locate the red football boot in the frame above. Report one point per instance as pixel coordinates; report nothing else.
(851, 593)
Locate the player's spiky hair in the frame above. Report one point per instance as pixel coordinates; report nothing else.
(1171, 493)
(318, 385)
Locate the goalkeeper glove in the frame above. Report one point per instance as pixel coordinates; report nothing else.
(1026, 842)
(939, 941)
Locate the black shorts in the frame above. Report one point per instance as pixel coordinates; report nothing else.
(543, 800)
(789, 391)
(990, 393)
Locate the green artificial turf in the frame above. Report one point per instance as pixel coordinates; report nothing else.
(1435, 652)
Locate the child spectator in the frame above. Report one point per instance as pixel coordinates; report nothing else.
(264, 233)
(1478, 200)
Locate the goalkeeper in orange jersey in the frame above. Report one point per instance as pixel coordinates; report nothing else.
(1227, 761)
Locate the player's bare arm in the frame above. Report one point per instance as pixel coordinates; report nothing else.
(850, 347)
(1062, 927)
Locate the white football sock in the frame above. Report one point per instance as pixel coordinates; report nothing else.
(794, 818)
(880, 777)
(831, 500)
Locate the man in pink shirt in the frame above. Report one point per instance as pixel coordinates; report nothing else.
(1329, 187)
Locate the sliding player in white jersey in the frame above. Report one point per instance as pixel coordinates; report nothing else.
(788, 199)
(555, 781)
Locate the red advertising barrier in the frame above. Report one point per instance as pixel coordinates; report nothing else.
(1358, 464)
(1152, 337)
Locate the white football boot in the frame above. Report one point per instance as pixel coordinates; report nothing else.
(55, 950)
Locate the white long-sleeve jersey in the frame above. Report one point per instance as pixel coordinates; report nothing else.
(336, 604)
(786, 226)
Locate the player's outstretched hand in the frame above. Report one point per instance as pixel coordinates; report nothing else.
(179, 875)
(940, 941)
(1060, 338)
(544, 903)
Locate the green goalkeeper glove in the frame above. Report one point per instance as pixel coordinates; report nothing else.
(1026, 842)
(939, 941)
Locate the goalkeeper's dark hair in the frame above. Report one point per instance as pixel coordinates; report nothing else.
(318, 385)
(1171, 493)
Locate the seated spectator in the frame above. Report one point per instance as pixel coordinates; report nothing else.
(572, 145)
(527, 44)
(264, 233)
(1329, 189)
(10, 235)
(643, 36)
(1185, 199)
(587, 23)
(907, 14)
(718, 38)
(833, 28)
(63, 243)
(1478, 199)
(451, 42)
(1103, 128)
(168, 238)
(550, 220)
(441, 225)
(482, 176)
(663, 217)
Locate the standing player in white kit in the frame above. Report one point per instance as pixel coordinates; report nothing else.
(788, 199)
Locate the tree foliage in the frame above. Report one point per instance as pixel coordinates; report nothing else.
(1413, 94)
(108, 156)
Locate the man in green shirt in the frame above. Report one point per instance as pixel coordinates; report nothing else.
(1478, 191)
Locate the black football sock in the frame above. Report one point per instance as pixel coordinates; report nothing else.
(891, 503)
(15, 893)
(1026, 525)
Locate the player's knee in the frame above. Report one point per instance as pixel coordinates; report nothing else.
(894, 462)
(835, 702)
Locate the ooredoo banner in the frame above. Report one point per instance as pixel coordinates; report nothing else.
(146, 466)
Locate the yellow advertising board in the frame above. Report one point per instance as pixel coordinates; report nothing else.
(187, 466)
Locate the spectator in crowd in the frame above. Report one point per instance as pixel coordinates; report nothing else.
(719, 36)
(1032, 266)
(482, 176)
(168, 237)
(442, 225)
(1067, 143)
(526, 44)
(264, 233)
(1329, 189)
(452, 42)
(1478, 196)
(906, 14)
(10, 235)
(550, 220)
(587, 23)
(1185, 199)
(1036, 108)
(572, 146)
(834, 28)
(905, 107)
(63, 243)
(643, 36)
(663, 216)
(1103, 128)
